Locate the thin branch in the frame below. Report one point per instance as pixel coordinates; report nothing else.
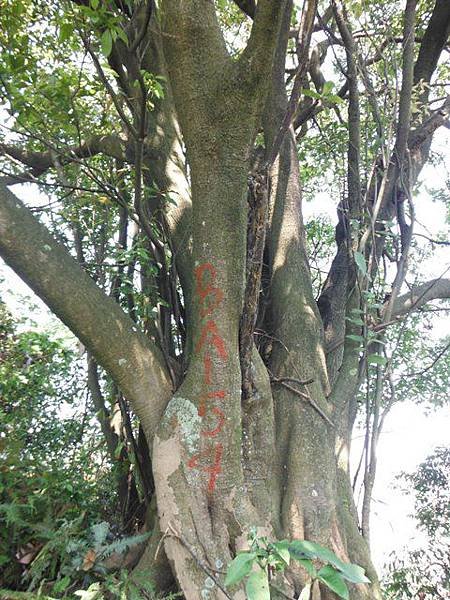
(421, 294)
(39, 162)
(258, 196)
(439, 117)
(108, 87)
(12, 179)
(404, 111)
(434, 40)
(141, 34)
(291, 380)
(304, 39)
(354, 126)
(308, 399)
(431, 240)
(430, 366)
(199, 562)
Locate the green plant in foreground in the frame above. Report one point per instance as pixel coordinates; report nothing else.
(265, 558)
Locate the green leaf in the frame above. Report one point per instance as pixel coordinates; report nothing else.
(357, 9)
(65, 31)
(100, 532)
(360, 262)
(376, 359)
(312, 550)
(311, 94)
(239, 567)
(355, 338)
(333, 579)
(118, 449)
(354, 573)
(61, 585)
(132, 593)
(122, 545)
(257, 586)
(300, 549)
(355, 320)
(94, 4)
(327, 87)
(335, 99)
(308, 565)
(282, 550)
(106, 42)
(306, 592)
(122, 35)
(305, 549)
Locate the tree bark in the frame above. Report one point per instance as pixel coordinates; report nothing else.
(197, 452)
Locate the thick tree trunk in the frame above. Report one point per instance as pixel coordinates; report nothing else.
(197, 462)
(307, 426)
(280, 460)
(203, 503)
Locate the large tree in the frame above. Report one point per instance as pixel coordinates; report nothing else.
(174, 247)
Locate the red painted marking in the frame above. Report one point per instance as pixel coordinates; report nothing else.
(219, 427)
(211, 328)
(213, 470)
(205, 289)
(210, 297)
(207, 364)
(202, 289)
(208, 396)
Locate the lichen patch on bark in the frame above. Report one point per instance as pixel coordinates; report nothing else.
(188, 420)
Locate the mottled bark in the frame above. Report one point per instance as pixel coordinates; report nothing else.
(307, 502)
(197, 452)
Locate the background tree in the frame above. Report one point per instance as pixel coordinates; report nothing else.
(169, 135)
(425, 572)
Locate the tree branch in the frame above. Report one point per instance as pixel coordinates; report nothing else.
(420, 295)
(96, 319)
(247, 6)
(306, 27)
(354, 128)
(256, 59)
(39, 162)
(439, 355)
(194, 42)
(147, 13)
(103, 416)
(433, 42)
(423, 133)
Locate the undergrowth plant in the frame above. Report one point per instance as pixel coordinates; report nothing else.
(264, 559)
(75, 556)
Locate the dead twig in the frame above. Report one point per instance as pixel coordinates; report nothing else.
(200, 563)
(308, 399)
